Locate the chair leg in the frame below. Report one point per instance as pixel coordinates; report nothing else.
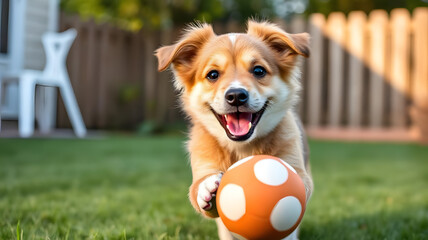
(45, 108)
(39, 110)
(26, 106)
(51, 109)
(72, 109)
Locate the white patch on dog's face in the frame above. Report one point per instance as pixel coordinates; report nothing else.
(232, 37)
(255, 102)
(236, 84)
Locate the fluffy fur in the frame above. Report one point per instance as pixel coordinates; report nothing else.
(213, 147)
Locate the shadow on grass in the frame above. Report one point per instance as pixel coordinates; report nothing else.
(409, 223)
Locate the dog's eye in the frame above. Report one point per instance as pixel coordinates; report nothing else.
(259, 71)
(213, 75)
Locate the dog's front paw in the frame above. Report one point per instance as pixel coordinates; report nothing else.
(207, 190)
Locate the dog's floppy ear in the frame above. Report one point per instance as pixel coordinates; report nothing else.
(183, 52)
(281, 42)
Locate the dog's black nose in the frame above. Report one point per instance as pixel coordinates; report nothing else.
(236, 96)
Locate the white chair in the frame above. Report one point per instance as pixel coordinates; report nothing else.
(57, 46)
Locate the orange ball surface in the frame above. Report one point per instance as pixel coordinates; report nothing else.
(261, 197)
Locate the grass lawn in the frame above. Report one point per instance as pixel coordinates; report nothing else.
(136, 188)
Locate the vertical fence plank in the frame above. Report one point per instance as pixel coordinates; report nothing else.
(399, 71)
(420, 73)
(121, 81)
(164, 91)
(141, 74)
(150, 75)
(420, 58)
(175, 114)
(89, 91)
(298, 25)
(104, 73)
(234, 27)
(336, 31)
(136, 63)
(315, 70)
(378, 23)
(356, 48)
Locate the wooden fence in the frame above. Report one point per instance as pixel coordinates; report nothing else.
(366, 74)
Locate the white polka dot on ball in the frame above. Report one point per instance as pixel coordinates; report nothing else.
(285, 213)
(240, 162)
(237, 236)
(289, 166)
(232, 201)
(270, 172)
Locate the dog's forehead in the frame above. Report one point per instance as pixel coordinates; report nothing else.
(232, 37)
(239, 45)
(233, 40)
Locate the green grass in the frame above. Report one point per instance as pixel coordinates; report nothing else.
(136, 188)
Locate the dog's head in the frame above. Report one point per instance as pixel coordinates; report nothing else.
(239, 85)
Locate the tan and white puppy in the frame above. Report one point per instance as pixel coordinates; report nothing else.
(239, 90)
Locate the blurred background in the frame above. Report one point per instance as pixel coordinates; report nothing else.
(364, 105)
(367, 73)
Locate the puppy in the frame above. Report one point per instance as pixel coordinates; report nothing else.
(238, 90)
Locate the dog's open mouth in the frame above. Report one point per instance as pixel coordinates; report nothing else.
(239, 126)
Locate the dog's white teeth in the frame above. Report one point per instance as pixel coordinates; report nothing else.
(227, 126)
(225, 116)
(249, 125)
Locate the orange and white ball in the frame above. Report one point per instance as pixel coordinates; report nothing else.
(261, 197)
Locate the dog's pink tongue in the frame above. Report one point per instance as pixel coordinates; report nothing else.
(239, 124)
